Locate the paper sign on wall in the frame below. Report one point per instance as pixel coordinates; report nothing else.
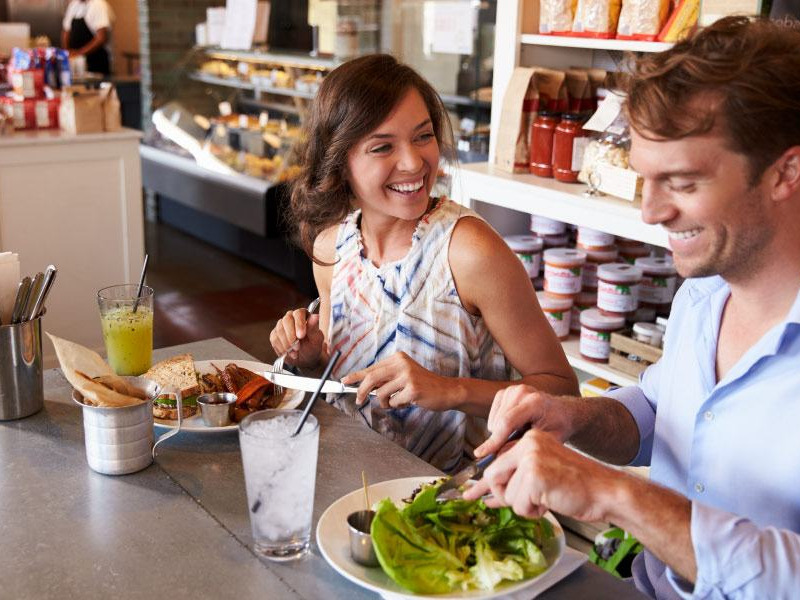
(215, 25)
(240, 23)
(713, 10)
(453, 24)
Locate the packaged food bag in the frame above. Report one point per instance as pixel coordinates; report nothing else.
(596, 18)
(555, 16)
(681, 22)
(642, 19)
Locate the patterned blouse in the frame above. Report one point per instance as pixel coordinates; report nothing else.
(411, 305)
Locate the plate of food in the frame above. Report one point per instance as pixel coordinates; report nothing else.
(241, 377)
(434, 549)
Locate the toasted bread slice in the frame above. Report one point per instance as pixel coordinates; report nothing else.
(167, 413)
(176, 372)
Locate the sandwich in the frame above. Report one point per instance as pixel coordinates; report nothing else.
(176, 373)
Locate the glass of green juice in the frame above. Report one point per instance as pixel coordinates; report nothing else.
(128, 333)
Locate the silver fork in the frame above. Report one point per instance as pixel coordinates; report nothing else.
(277, 366)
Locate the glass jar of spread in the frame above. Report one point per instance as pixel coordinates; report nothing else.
(582, 302)
(618, 288)
(542, 131)
(555, 241)
(595, 258)
(630, 253)
(648, 333)
(596, 329)
(658, 282)
(558, 311)
(569, 143)
(528, 249)
(563, 270)
(592, 239)
(542, 226)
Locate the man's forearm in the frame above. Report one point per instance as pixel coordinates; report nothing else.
(603, 428)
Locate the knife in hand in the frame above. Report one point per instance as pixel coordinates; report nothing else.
(475, 469)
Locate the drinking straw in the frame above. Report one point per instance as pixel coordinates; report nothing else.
(325, 374)
(141, 284)
(366, 488)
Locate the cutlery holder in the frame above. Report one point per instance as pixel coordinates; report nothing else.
(21, 381)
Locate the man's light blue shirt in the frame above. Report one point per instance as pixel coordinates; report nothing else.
(732, 447)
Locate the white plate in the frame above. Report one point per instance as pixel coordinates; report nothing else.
(195, 423)
(334, 544)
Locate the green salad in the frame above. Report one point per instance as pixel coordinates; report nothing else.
(433, 547)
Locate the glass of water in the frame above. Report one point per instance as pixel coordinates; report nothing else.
(279, 473)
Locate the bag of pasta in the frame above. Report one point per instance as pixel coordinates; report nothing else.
(642, 19)
(596, 18)
(555, 16)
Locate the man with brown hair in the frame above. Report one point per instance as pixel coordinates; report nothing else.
(716, 137)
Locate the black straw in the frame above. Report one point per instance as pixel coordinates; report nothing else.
(325, 375)
(141, 284)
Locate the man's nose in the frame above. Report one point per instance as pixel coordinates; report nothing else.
(657, 207)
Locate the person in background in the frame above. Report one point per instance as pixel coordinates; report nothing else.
(86, 31)
(430, 308)
(716, 137)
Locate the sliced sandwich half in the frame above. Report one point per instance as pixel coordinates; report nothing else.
(177, 373)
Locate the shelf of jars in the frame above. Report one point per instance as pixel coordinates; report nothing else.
(576, 361)
(553, 199)
(564, 41)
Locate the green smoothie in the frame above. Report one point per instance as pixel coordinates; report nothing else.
(129, 339)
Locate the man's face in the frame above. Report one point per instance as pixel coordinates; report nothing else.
(698, 190)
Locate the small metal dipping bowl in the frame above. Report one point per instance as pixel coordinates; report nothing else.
(361, 548)
(217, 408)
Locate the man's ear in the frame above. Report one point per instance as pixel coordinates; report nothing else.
(787, 169)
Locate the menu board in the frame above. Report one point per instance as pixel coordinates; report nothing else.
(712, 10)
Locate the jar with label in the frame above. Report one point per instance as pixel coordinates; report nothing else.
(618, 288)
(596, 329)
(595, 258)
(542, 132)
(658, 282)
(569, 143)
(648, 333)
(543, 226)
(593, 239)
(555, 241)
(558, 312)
(583, 301)
(630, 253)
(563, 270)
(528, 249)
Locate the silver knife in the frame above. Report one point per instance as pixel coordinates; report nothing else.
(475, 469)
(309, 384)
(36, 289)
(21, 301)
(38, 303)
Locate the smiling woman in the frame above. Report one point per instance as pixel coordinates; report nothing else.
(404, 277)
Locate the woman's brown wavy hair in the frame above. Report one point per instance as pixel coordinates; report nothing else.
(739, 74)
(353, 100)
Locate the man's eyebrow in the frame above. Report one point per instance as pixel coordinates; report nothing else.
(663, 175)
(384, 136)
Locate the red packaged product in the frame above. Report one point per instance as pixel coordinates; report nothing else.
(542, 131)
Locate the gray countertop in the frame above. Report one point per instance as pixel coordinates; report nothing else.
(180, 528)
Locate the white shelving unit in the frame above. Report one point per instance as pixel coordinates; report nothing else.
(563, 41)
(575, 359)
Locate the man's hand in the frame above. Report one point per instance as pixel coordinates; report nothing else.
(539, 473)
(520, 405)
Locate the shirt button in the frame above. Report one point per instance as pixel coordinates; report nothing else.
(699, 488)
(709, 416)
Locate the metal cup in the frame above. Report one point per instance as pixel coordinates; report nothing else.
(21, 381)
(361, 548)
(217, 408)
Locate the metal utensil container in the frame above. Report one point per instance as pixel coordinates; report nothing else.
(21, 382)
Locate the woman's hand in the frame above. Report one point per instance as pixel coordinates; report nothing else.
(298, 325)
(400, 381)
(520, 405)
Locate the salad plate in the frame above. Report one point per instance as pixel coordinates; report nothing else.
(334, 545)
(195, 424)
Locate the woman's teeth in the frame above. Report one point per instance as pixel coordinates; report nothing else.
(406, 188)
(684, 235)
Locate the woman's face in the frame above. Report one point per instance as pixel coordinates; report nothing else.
(391, 171)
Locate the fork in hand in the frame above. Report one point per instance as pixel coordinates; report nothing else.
(277, 366)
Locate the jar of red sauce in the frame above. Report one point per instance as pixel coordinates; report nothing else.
(542, 131)
(569, 141)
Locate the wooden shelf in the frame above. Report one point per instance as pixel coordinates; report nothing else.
(563, 41)
(555, 200)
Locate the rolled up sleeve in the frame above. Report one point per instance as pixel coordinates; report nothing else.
(737, 559)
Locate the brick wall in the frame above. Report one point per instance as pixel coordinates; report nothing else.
(166, 37)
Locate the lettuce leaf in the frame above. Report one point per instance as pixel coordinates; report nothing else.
(432, 547)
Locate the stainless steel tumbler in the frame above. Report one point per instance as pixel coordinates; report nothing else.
(21, 382)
